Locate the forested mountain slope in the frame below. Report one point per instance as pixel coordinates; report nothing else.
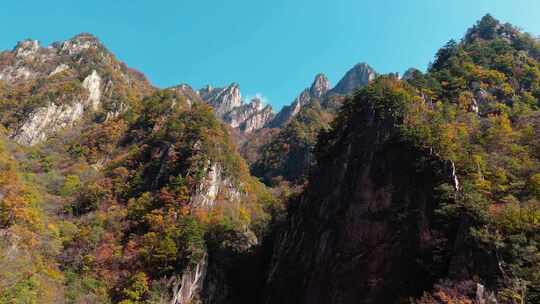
(112, 190)
(419, 190)
(427, 181)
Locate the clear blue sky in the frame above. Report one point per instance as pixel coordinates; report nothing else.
(270, 47)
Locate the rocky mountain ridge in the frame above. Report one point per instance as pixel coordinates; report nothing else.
(68, 60)
(358, 76)
(319, 87)
(68, 81)
(229, 106)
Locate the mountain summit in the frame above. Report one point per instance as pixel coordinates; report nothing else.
(320, 86)
(360, 75)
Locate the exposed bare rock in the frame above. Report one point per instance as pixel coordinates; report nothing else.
(188, 286)
(59, 69)
(318, 89)
(93, 77)
(79, 43)
(360, 75)
(46, 121)
(320, 86)
(29, 60)
(223, 100)
(214, 185)
(363, 231)
(250, 117)
(231, 108)
(258, 120)
(93, 84)
(27, 48)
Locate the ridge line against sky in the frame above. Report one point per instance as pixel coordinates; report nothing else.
(271, 48)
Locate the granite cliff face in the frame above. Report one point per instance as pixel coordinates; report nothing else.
(250, 117)
(223, 100)
(358, 76)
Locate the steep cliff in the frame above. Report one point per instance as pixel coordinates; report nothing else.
(422, 189)
(223, 100)
(363, 231)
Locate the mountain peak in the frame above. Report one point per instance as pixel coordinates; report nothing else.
(85, 36)
(26, 48)
(489, 28)
(411, 73)
(320, 86)
(362, 65)
(359, 75)
(223, 100)
(79, 43)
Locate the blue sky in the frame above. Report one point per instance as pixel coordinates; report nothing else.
(274, 48)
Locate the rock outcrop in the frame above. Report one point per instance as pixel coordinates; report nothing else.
(250, 117)
(318, 89)
(214, 185)
(187, 287)
(231, 108)
(29, 60)
(92, 83)
(359, 76)
(69, 79)
(46, 121)
(320, 86)
(223, 100)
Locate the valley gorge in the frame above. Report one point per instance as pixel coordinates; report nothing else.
(418, 189)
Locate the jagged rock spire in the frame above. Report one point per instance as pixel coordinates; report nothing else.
(318, 89)
(320, 86)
